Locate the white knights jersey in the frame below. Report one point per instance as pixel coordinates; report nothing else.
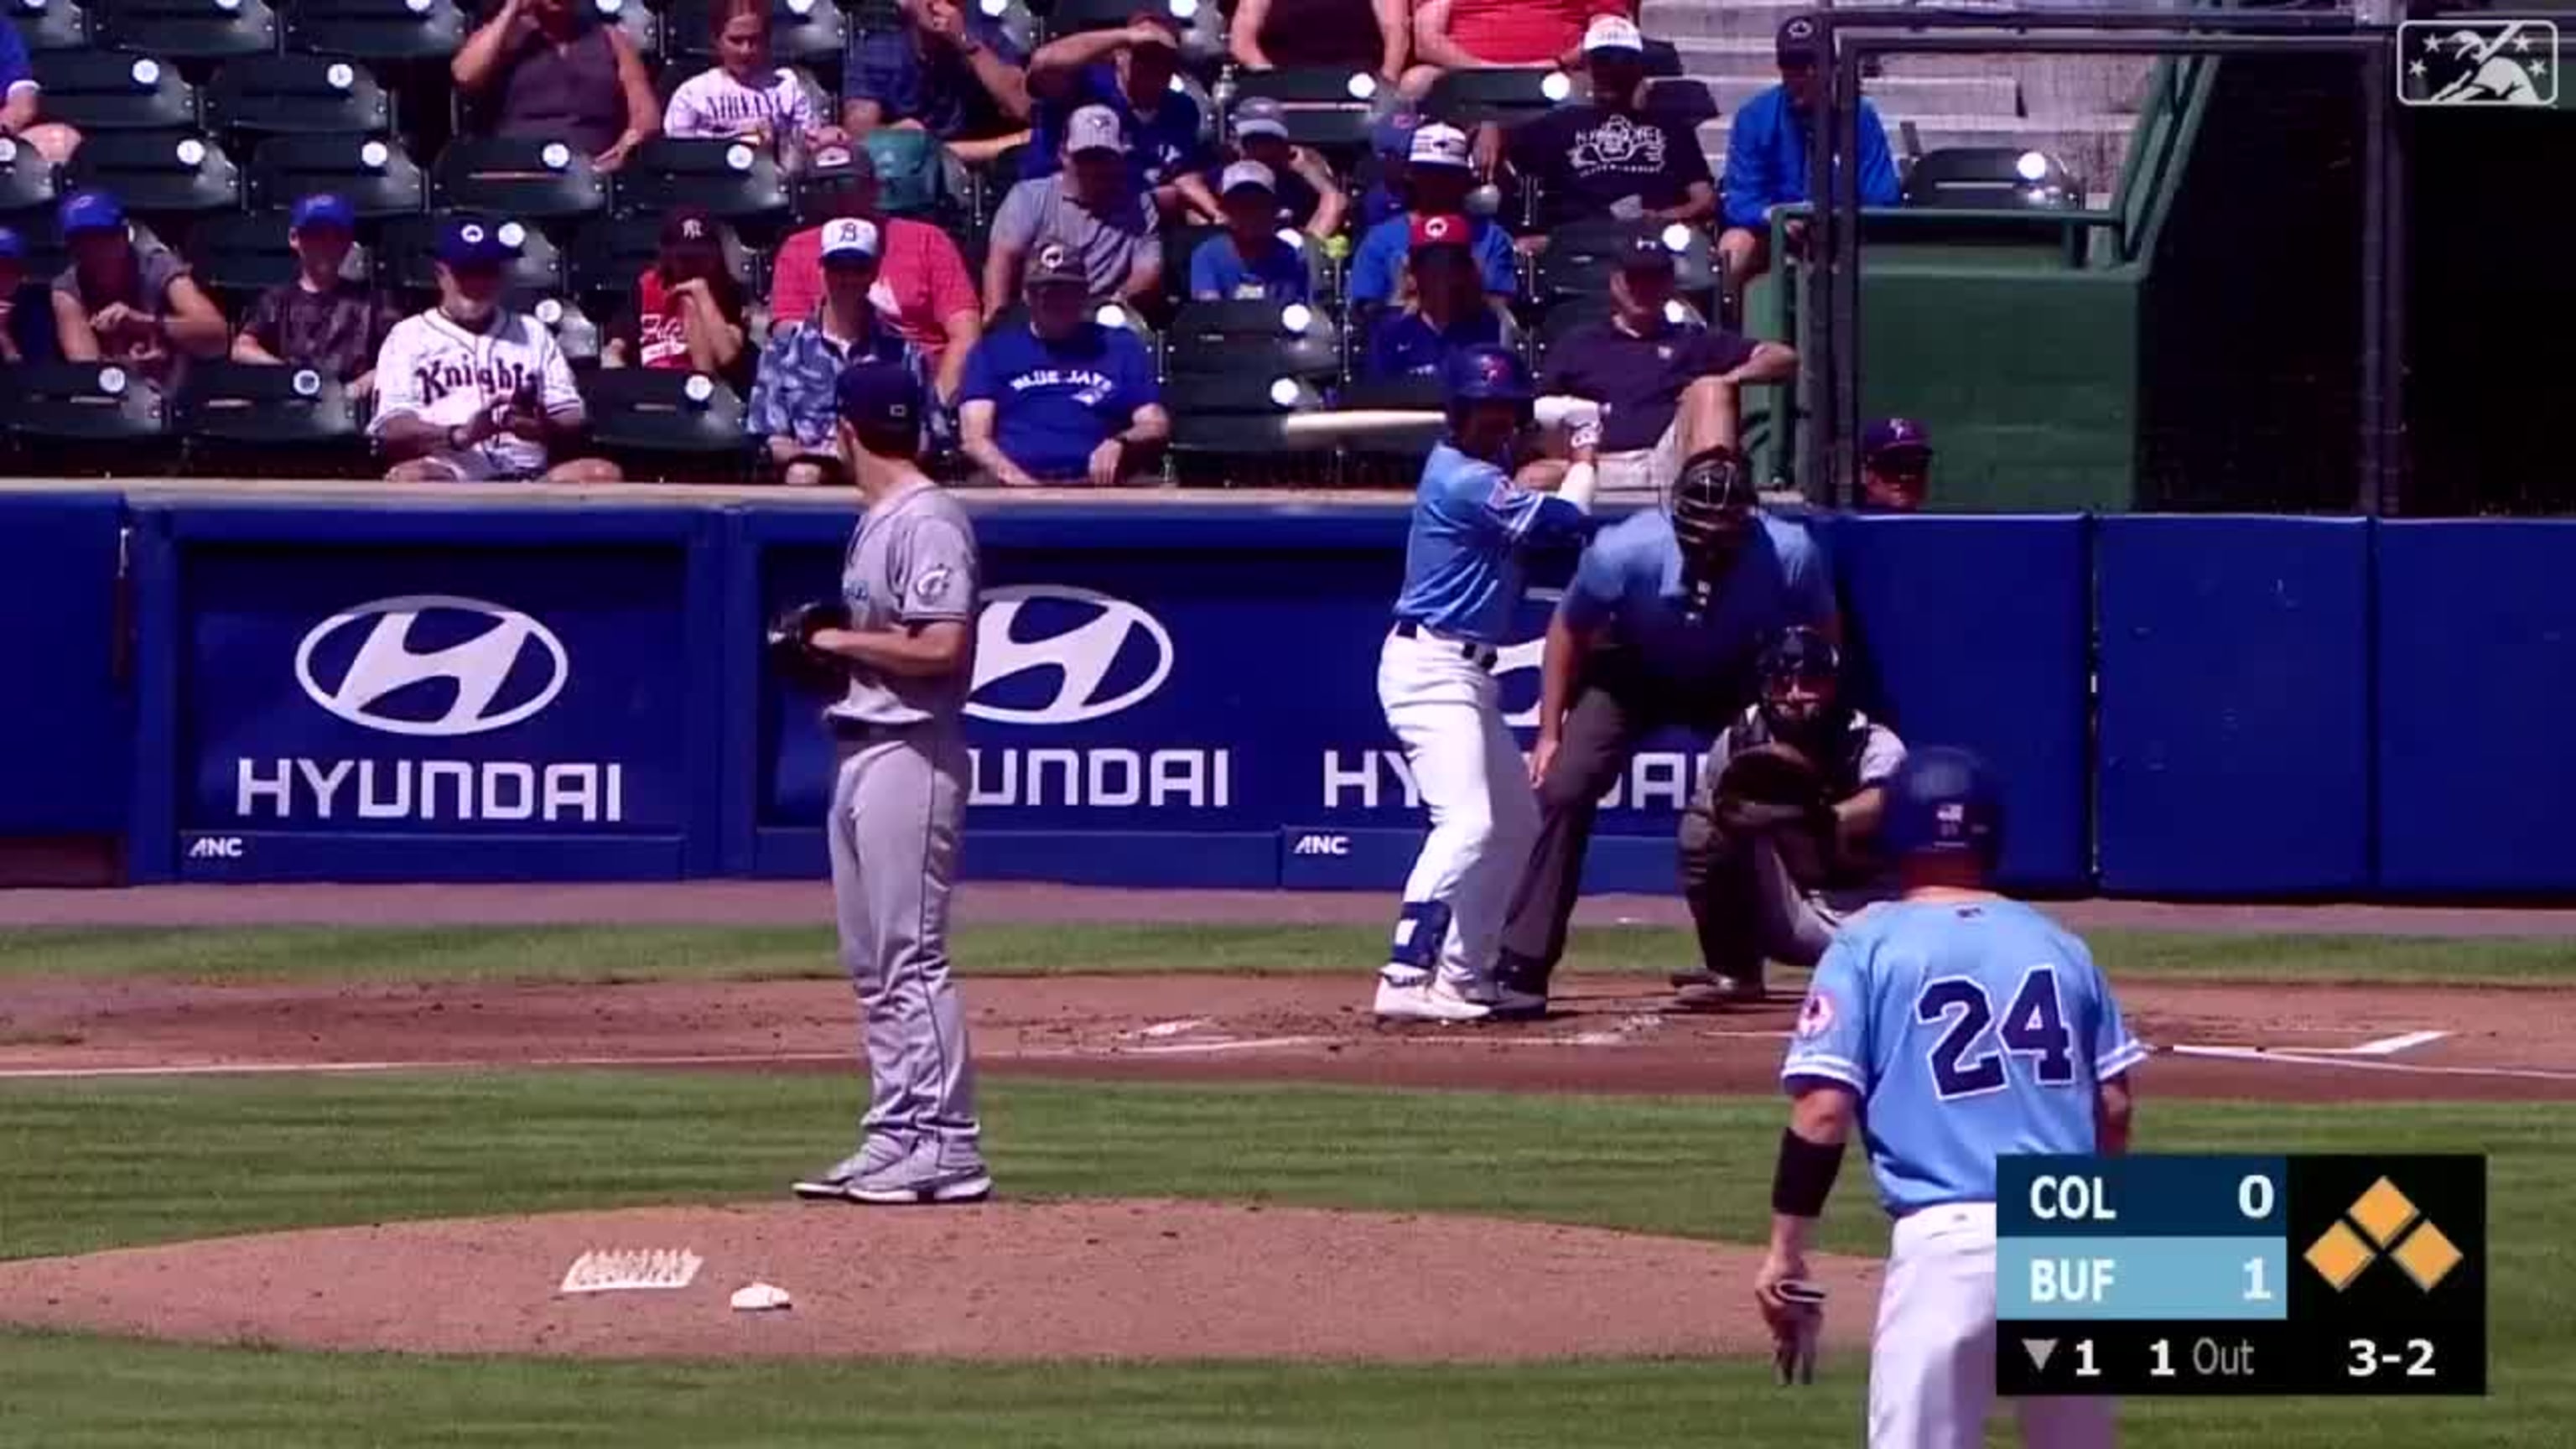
(433, 369)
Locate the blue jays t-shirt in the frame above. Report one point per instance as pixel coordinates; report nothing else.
(1969, 1029)
(1630, 582)
(1160, 150)
(1463, 555)
(1220, 272)
(1378, 263)
(1055, 402)
(1407, 345)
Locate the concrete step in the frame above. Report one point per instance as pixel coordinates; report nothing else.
(1746, 19)
(2091, 145)
(1896, 95)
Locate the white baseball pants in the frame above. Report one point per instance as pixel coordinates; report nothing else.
(1932, 1357)
(1446, 710)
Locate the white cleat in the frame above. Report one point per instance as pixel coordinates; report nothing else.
(1425, 1001)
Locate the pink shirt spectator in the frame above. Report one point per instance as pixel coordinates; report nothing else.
(1525, 32)
(920, 284)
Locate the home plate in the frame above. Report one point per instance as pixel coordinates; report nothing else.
(1172, 1028)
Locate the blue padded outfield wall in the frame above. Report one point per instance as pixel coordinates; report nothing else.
(435, 687)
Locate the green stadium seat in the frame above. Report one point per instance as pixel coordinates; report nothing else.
(375, 176)
(666, 423)
(407, 262)
(158, 173)
(98, 403)
(1261, 340)
(531, 180)
(610, 253)
(1579, 259)
(642, 26)
(26, 178)
(99, 91)
(1469, 98)
(187, 29)
(390, 31)
(1992, 178)
(733, 180)
(1225, 428)
(50, 24)
(277, 420)
(295, 94)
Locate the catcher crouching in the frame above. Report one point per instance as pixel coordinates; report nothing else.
(1787, 808)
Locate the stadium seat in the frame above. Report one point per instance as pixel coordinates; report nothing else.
(811, 34)
(1468, 98)
(96, 403)
(239, 256)
(164, 173)
(528, 179)
(276, 420)
(98, 91)
(50, 24)
(609, 254)
(376, 177)
(268, 94)
(390, 31)
(1255, 339)
(406, 260)
(1992, 178)
(665, 423)
(641, 25)
(577, 333)
(1324, 107)
(187, 29)
(1225, 428)
(40, 231)
(1573, 312)
(739, 182)
(1579, 259)
(1389, 459)
(1681, 103)
(26, 178)
(1181, 243)
(1113, 314)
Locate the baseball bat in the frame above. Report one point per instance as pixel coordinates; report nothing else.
(1356, 423)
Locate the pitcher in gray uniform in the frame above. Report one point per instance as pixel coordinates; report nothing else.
(899, 800)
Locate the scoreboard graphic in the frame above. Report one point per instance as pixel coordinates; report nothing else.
(2163, 1274)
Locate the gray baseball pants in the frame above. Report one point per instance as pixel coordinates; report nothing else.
(898, 803)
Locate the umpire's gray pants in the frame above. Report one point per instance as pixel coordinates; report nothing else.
(898, 801)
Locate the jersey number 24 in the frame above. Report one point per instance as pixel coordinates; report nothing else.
(1967, 1061)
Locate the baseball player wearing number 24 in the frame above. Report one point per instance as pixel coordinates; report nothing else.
(1958, 1026)
(898, 802)
(1463, 564)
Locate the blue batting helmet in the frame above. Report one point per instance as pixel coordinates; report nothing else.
(1944, 801)
(1487, 374)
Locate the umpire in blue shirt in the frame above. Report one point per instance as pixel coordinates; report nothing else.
(1661, 625)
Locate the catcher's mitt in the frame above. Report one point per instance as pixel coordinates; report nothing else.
(791, 650)
(1774, 791)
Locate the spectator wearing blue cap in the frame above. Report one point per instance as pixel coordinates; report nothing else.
(473, 390)
(20, 111)
(1766, 156)
(26, 309)
(126, 298)
(1061, 398)
(324, 319)
(792, 400)
(1895, 466)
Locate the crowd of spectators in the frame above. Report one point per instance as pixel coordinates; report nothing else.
(1099, 150)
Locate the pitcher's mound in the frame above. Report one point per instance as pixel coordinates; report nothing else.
(1121, 1280)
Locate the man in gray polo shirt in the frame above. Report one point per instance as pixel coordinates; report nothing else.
(1092, 208)
(909, 579)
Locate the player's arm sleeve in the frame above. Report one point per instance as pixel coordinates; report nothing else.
(1831, 1040)
(2113, 1049)
(397, 383)
(1880, 754)
(939, 574)
(1520, 515)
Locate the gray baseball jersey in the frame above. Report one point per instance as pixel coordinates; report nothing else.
(910, 561)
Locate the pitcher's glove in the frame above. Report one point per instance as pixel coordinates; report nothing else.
(790, 646)
(1794, 1332)
(1775, 792)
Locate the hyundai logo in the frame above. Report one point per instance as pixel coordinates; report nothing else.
(1089, 655)
(416, 665)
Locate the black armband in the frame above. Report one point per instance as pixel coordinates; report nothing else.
(1805, 1176)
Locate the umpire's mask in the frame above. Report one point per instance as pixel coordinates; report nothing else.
(1712, 509)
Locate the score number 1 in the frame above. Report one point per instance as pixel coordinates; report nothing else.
(2254, 1199)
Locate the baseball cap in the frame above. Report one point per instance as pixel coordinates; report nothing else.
(1438, 145)
(1645, 247)
(1798, 40)
(1055, 264)
(689, 226)
(1260, 116)
(1248, 173)
(1440, 229)
(90, 211)
(850, 239)
(13, 247)
(1394, 135)
(1613, 33)
(873, 394)
(323, 208)
(1095, 128)
(1892, 436)
(468, 241)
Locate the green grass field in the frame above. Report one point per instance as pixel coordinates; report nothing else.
(97, 1164)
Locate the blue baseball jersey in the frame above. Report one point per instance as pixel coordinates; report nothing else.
(1970, 1028)
(1462, 558)
(1630, 584)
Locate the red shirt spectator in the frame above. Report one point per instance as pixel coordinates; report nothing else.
(1511, 32)
(922, 289)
